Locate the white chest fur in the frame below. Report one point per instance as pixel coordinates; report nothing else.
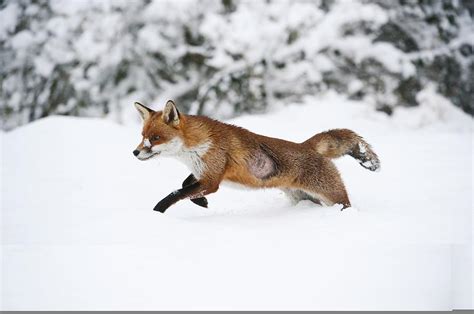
(192, 157)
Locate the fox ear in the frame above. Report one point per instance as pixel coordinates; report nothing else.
(171, 114)
(144, 111)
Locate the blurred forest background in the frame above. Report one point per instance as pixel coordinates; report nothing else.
(226, 57)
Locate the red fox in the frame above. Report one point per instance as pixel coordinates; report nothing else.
(216, 152)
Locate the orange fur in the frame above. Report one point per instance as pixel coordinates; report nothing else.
(238, 155)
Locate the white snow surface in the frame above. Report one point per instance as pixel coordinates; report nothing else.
(79, 233)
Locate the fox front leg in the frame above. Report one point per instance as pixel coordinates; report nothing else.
(200, 201)
(192, 191)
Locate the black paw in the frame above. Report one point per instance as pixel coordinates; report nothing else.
(372, 164)
(162, 205)
(345, 206)
(202, 201)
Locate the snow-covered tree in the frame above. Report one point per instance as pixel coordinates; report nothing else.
(222, 58)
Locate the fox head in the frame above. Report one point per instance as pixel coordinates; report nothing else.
(161, 134)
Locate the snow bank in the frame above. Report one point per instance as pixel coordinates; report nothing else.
(78, 230)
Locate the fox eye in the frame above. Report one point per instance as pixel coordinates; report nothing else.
(155, 138)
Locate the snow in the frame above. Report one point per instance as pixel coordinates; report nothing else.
(8, 16)
(78, 230)
(360, 48)
(22, 40)
(88, 48)
(435, 110)
(102, 53)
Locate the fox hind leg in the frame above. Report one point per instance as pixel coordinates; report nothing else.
(339, 142)
(363, 153)
(335, 197)
(323, 182)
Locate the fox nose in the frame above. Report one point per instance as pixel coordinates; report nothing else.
(136, 152)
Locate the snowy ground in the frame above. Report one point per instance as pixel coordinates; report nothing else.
(78, 230)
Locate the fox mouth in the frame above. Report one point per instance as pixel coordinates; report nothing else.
(149, 156)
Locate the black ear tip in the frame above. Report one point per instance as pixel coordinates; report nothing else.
(139, 105)
(173, 106)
